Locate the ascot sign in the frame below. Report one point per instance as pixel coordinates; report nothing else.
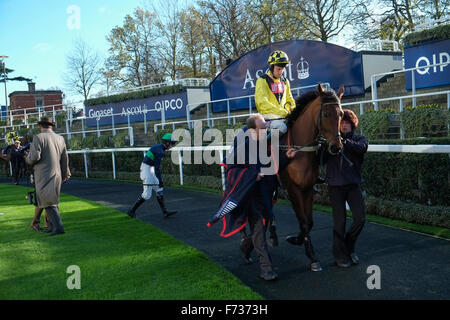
(302, 73)
(138, 110)
(311, 62)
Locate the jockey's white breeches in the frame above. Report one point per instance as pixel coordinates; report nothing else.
(279, 124)
(149, 181)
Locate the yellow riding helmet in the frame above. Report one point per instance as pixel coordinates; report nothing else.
(277, 57)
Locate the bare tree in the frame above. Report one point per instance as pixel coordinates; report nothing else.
(435, 9)
(233, 31)
(393, 19)
(193, 41)
(168, 15)
(325, 19)
(83, 69)
(132, 53)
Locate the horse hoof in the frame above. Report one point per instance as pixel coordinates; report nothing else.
(294, 240)
(315, 266)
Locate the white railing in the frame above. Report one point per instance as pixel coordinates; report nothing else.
(413, 81)
(221, 149)
(376, 45)
(401, 100)
(25, 113)
(229, 117)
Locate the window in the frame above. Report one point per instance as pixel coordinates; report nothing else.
(39, 104)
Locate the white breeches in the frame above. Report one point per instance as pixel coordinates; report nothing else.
(149, 181)
(279, 124)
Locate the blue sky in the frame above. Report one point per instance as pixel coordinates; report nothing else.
(36, 37)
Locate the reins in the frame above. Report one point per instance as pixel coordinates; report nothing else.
(315, 144)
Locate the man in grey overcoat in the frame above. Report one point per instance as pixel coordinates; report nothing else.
(48, 156)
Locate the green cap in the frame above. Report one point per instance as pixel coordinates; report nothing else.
(167, 137)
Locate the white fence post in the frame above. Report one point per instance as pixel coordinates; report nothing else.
(180, 165)
(86, 170)
(402, 129)
(222, 170)
(114, 164)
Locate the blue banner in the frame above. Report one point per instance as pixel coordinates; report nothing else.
(311, 62)
(424, 55)
(3, 113)
(174, 106)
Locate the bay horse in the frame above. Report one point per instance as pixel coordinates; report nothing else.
(316, 116)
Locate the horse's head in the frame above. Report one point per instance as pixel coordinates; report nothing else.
(330, 117)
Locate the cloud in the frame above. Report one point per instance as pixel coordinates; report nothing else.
(42, 47)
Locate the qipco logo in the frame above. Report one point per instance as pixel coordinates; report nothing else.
(424, 63)
(174, 104)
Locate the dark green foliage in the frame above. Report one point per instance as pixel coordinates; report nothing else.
(375, 124)
(32, 120)
(424, 120)
(105, 142)
(439, 32)
(120, 140)
(141, 94)
(61, 118)
(75, 143)
(428, 140)
(438, 216)
(421, 178)
(88, 142)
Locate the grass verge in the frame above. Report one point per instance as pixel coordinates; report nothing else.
(119, 258)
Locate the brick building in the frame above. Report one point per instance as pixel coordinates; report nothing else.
(35, 99)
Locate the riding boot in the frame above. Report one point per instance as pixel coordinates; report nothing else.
(161, 203)
(132, 211)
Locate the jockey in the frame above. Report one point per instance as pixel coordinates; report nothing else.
(273, 97)
(151, 176)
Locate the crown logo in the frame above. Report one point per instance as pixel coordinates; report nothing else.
(303, 69)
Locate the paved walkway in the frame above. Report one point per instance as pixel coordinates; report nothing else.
(413, 266)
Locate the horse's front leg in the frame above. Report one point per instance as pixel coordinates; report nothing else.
(307, 227)
(302, 204)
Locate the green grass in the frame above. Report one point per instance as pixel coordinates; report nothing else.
(119, 258)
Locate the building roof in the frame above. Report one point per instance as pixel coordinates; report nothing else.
(33, 93)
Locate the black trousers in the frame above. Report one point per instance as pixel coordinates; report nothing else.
(257, 238)
(344, 242)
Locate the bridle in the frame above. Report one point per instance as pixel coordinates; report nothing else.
(318, 141)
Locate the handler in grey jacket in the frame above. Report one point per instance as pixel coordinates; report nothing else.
(48, 156)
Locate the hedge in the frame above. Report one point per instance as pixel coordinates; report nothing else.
(375, 124)
(424, 120)
(421, 178)
(141, 94)
(439, 32)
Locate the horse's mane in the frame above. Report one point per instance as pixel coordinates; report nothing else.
(303, 100)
